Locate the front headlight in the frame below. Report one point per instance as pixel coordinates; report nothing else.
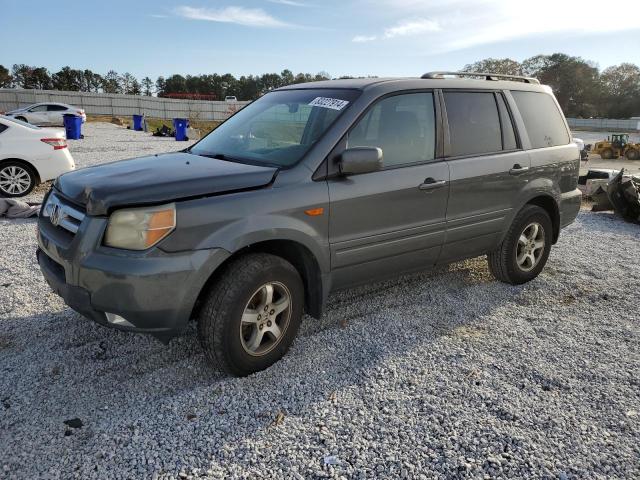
(140, 228)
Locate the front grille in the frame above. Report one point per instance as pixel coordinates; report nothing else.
(62, 215)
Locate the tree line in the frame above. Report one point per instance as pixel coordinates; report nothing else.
(581, 88)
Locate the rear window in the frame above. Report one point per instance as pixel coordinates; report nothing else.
(474, 123)
(542, 119)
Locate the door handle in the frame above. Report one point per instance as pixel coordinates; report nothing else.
(517, 169)
(431, 184)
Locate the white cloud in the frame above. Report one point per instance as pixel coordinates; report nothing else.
(412, 27)
(252, 17)
(290, 3)
(459, 24)
(363, 38)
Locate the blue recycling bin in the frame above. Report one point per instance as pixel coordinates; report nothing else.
(137, 123)
(180, 126)
(73, 126)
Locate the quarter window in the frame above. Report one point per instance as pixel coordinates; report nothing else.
(542, 119)
(403, 126)
(474, 124)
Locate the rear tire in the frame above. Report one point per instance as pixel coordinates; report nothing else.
(242, 327)
(525, 249)
(17, 179)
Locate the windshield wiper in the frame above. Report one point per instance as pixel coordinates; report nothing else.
(245, 161)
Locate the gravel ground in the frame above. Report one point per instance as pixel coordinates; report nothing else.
(439, 375)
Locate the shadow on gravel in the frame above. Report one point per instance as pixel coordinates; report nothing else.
(116, 381)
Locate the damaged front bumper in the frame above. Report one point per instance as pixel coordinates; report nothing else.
(151, 292)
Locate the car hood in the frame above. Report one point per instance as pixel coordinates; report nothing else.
(19, 110)
(157, 179)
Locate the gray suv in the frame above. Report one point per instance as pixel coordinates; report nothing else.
(310, 189)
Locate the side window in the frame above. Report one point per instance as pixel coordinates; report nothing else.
(474, 124)
(542, 119)
(3, 127)
(55, 108)
(403, 126)
(508, 134)
(39, 108)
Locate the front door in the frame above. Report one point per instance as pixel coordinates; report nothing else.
(38, 115)
(393, 220)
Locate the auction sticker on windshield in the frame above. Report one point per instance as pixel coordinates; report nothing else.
(332, 103)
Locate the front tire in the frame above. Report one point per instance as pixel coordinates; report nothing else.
(251, 314)
(16, 179)
(525, 249)
(22, 119)
(633, 154)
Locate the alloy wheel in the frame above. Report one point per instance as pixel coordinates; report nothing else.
(14, 180)
(530, 247)
(265, 318)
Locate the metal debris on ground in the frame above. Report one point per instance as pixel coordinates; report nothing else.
(624, 194)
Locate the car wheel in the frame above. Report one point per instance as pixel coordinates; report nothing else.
(16, 179)
(251, 314)
(525, 249)
(22, 119)
(607, 154)
(633, 154)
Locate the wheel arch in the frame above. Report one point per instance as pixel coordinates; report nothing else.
(302, 259)
(550, 205)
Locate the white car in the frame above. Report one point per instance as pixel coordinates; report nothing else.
(30, 155)
(48, 113)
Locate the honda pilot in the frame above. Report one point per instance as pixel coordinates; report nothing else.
(311, 189)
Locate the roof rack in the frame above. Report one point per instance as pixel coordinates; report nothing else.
(488, 76)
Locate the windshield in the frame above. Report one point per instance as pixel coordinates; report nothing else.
(20, 122)
(278, 129)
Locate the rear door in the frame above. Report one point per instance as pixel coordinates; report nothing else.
(488, 169)
(392, 220)
(54, 114)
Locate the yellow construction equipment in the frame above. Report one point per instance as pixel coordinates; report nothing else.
(617, 145)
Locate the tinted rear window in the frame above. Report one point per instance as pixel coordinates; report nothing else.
(542, 119)
(474, 124)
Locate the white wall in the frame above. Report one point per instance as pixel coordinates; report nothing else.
(114, 104)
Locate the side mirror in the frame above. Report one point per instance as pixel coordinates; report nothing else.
(360, 160)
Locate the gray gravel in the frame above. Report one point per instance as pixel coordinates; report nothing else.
(440, 375)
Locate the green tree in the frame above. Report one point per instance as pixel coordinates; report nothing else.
(147, 86)
(621, 91)
(126, 83)
(6, 80)
(67, 79)
(25, 76)
(160, 86)
(504, 66)
(575, 82)
(111, 82)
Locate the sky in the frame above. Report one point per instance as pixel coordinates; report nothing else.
(341, 37)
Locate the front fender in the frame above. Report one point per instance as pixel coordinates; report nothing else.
(238, 220)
